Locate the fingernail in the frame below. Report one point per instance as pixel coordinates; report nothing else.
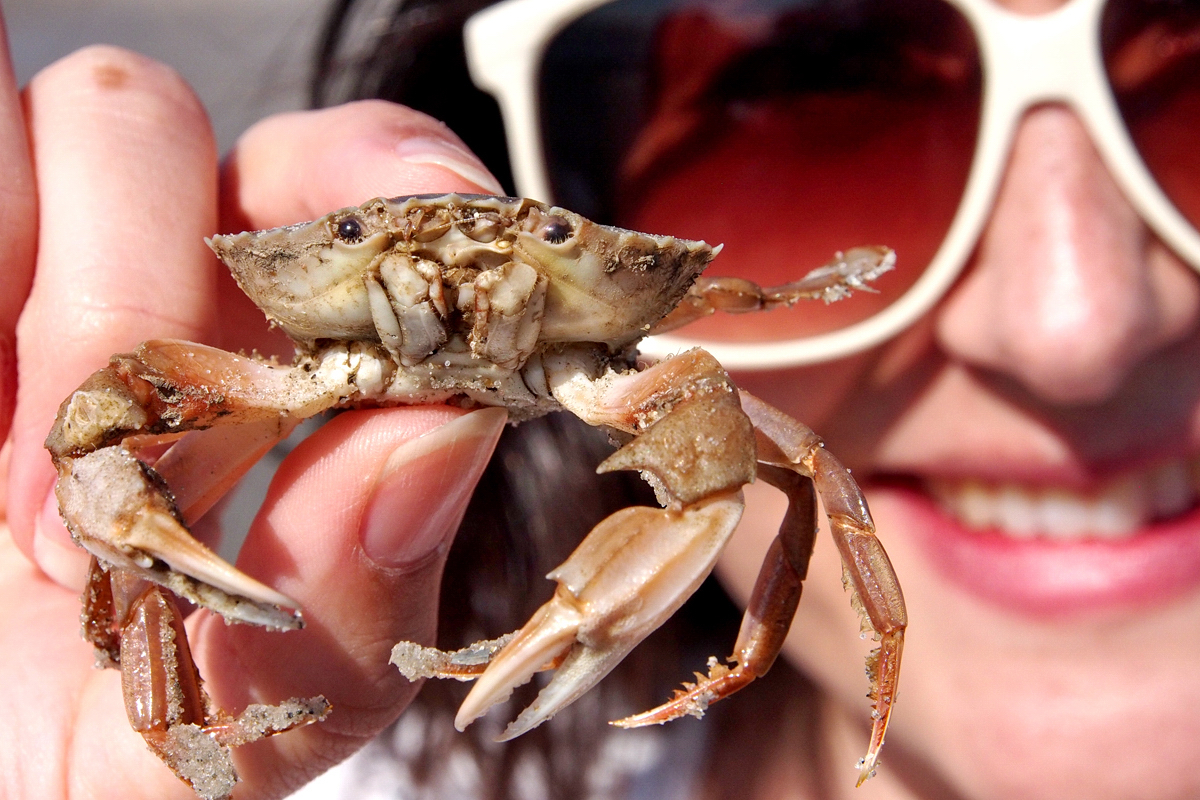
(423, 490)
(56, 555)
(426, 150)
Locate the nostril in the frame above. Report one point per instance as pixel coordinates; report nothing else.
(1068, 372)
(1070, 352)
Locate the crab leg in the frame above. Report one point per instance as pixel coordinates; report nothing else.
(121, 510)
(629, 575)
(768, 615)
(692, 431)
(203, 466)
(848, 271)
(867, 571)
(793, 459)
(138, 626)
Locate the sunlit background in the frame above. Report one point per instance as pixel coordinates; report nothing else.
(245, 58)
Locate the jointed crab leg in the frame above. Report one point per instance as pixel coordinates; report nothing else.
(867, 571)
(692, 433)
(768, 615)
(847, 272)
(628, 576)
(792, 458)
(783, 444)
(203, 466)
(137, 626)
(637, 566)
(121, 510)
(624, 580)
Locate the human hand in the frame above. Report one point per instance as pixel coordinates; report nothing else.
(108, 251)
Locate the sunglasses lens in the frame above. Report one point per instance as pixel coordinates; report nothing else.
(785, 130)
(1152, 54)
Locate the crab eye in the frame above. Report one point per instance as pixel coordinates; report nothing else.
(349, 230)
(556, 230)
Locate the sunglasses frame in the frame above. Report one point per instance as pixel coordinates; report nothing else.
(1026, 61)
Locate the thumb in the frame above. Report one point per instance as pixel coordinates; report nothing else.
(356, 528)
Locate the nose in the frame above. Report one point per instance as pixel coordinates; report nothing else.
(1068, 289)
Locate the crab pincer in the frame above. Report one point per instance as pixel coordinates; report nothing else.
(794, 460)
(639, 565)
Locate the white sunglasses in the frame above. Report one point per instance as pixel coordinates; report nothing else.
(1024, 61)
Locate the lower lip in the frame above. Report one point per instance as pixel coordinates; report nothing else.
(1050, 579)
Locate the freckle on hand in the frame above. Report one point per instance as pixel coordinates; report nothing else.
(109, 76)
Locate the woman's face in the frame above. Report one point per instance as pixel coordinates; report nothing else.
(1031, 452)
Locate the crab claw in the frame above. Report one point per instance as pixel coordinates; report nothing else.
(624, 580)
(116, 507)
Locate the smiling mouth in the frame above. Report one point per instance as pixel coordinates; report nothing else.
(1117, 510)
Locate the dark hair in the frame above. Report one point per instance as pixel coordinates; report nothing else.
(536, 500)
(410, 52)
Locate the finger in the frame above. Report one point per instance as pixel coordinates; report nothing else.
(18, 229)
(126, 170)
(299, 166)
(365, 564)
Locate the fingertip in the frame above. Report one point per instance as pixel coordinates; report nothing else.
(103, 80)
(445, 155)
(126, 176)
(297, 166)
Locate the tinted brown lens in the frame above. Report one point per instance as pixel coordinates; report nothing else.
(786, 131)
(1152, 54)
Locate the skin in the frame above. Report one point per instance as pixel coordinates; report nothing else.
(1092, 705)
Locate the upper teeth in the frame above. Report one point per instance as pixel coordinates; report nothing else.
(1115, 511)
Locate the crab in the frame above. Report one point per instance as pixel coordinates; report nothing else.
(475, 301)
